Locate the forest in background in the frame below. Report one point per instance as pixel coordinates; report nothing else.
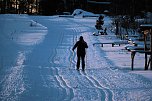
(53, 7)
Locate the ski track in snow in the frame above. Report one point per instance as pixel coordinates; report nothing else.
(103, 94)
(69, 91)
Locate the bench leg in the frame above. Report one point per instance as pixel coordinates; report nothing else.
(132, 58)
(149, 62)
(146, 65)
(113, 44)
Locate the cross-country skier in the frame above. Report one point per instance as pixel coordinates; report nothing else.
(81, 45)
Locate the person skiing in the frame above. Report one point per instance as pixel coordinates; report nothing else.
(81, 45)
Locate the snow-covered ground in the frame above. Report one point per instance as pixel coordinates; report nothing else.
(37, 63)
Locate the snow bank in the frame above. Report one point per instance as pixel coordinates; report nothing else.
(82, 13)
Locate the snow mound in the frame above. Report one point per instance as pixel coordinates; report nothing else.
(82, 13)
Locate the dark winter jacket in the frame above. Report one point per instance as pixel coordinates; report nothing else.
(80, 45)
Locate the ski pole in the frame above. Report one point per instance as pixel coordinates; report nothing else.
(71, 60)
(86, 58)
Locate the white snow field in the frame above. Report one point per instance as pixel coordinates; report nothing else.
(37, 62)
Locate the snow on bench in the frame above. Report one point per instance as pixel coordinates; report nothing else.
(90, 16)
(112, 43)
(137, 45)
(67, 16)
(129, 48)
(135, 36)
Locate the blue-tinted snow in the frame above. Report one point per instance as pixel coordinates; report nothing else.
(37, 63)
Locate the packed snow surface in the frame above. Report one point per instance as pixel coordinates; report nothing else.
(37, 62)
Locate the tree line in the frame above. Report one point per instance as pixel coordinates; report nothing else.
(18, 6)
(51, 7)
(131, 7)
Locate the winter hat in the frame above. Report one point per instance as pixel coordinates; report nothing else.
(81, 37)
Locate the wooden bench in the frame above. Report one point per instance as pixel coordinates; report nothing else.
(102, 43)
(112, 43)
(90, 16)
(67, 16)
(129, 48)
(129, 36)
